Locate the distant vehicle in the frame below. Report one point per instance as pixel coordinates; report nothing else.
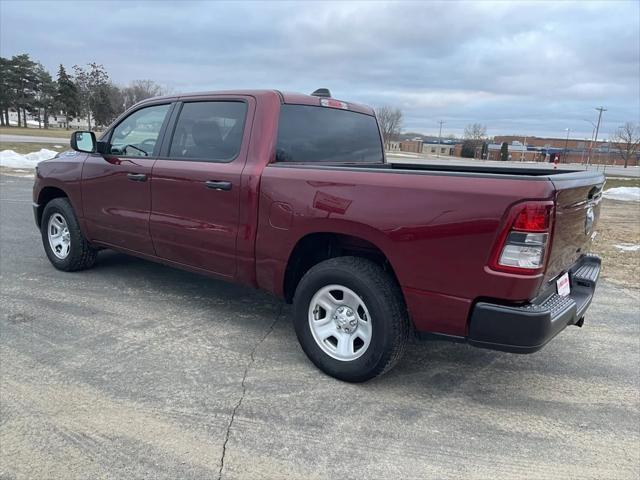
(291, 193)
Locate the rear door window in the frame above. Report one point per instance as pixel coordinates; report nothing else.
(209, 131)
(320, 134)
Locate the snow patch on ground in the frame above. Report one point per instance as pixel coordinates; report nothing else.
(406, 155)
(11, 159)
(628, 247)
(624, 194)
(33, 123)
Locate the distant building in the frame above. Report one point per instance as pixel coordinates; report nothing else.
(547, 149)
(443, 148)
(517, 152)
(413, 146)
(393, 146)
(548, 142)
(55, 120)
(74, 122)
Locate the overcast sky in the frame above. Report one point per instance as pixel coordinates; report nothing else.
(520, 68)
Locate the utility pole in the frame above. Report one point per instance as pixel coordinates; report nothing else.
(595, 140)
(524, 149)
(566, 144)
(439, 137)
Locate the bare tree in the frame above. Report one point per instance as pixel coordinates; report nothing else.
(390, 121)
(627, 140)
(139, 90)
(475, 131)
(90, 82)
(474, 136)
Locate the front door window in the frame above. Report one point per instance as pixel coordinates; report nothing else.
(137, 135)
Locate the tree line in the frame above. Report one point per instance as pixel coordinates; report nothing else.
(87, 91)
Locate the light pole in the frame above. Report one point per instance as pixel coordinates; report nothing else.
(583, 149)
(593, 130)
(566, 144)
(439, 137)
(595, 139)
(524, 149)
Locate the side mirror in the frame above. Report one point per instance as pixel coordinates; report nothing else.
(83, 141)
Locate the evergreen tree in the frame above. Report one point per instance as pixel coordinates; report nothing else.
(45, 94)
(6, 92)
(67, 97)
(504, 152)
(23, 82)
(108, 103)
(484, 154)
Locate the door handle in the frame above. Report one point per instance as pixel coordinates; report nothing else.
(218, 185)
(137, 177)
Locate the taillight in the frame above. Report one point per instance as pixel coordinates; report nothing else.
(523, 245)
(533, 218)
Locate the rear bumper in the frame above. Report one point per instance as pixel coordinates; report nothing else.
(527, 328)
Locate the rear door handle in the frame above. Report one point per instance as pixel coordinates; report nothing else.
(137, 177)
(218, 185)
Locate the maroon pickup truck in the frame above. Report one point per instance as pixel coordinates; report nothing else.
(292, 194)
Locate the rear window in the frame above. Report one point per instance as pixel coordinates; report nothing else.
(319, 134)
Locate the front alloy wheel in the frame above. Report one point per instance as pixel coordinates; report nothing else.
(63, 241)
(58, 235)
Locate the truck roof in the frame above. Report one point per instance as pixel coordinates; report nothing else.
(285, 97)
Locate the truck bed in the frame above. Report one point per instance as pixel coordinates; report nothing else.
(437, 225)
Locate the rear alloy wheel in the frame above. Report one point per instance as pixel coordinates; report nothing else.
(339, 322)
(350, 318)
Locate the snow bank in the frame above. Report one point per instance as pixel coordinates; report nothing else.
(628, 247)
(624, 194)
(11, 159)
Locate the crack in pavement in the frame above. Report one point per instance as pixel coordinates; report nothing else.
(244, 388)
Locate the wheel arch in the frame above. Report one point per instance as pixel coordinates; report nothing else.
(316, 247)
(45, 195)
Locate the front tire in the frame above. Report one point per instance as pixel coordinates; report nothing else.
(350, 318)
(63, 241)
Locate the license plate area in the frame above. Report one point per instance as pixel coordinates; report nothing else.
(563, 286)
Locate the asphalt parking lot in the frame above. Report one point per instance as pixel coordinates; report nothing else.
(135, 370)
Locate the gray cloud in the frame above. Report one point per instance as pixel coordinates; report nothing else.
(522, 68)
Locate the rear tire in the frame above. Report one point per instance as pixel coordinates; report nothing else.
(65, 245)
(364, 329)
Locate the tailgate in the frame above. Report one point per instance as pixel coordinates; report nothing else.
(578, 198)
